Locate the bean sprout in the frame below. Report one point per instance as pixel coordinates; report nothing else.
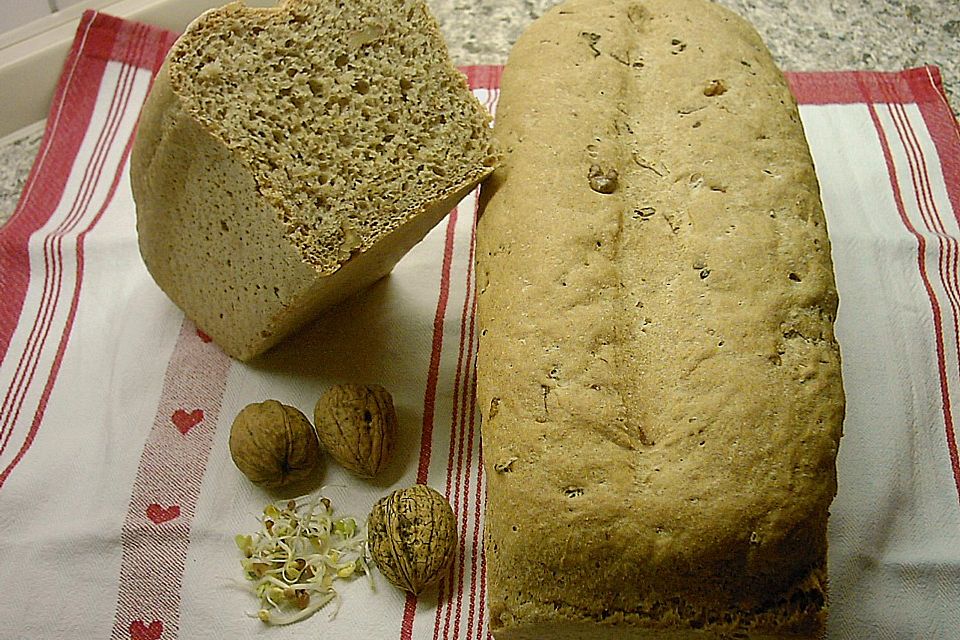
(299, 552)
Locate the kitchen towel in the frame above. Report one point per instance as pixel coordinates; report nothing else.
(118, 497)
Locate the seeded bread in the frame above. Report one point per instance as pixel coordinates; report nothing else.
(288, 157)
(658, 376)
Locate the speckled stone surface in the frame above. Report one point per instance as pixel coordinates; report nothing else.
(16, 158)
(803, 36)
(814, 35)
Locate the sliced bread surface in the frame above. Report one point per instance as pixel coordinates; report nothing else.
(288, 157)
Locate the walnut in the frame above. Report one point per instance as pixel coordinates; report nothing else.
(274, 445)
(357, 425)
(602, 181)
(715, 88)
(412, 535)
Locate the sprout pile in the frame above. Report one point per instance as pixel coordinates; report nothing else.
(298, 553)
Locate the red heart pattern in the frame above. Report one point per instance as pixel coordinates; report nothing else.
(141, 631)
(184, 421)
(159, 514)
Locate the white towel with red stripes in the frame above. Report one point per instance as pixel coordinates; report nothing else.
(118, 498)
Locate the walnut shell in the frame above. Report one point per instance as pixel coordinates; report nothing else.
(412, 536)
(274, 445)
(357, 425)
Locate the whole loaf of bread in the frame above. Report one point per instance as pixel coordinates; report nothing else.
(658, 376)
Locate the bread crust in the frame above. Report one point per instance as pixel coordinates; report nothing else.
(658, 378)
(186, 182)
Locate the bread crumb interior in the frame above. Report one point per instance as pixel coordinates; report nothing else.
(349, 113)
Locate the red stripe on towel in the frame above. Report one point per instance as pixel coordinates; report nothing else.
(469, 415)
(921, 86)
(433, 373)
(482, 569)
(65, 336)
(430, 394)
(944, 130)
(27, 366)
(479, 569)
(921, 265)
(927, 205)
(47, 180)
(477, 594)
(156, 530)
(483, 76)
(947, 256)
(99, 38)
(459, 454)
(475, 612)
(462, 443)
(871, 87)
(467, 447)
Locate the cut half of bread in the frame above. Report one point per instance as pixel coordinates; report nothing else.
(288, 157)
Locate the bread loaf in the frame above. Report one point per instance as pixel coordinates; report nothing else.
(288, 157)
(658, 377)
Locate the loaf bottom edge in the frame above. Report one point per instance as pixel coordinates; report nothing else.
(799, 614)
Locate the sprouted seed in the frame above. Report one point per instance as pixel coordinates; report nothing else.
(299, 552)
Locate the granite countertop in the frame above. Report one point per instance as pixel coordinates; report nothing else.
(815, 35)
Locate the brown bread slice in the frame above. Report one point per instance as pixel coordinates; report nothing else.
(288, 157)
